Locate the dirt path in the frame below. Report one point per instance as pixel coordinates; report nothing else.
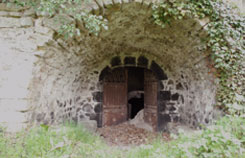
(126, 134)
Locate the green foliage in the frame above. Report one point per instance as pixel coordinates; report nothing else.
(72, 8)
(61, 142)
(224, 140)
(225, 40)
(226, 32)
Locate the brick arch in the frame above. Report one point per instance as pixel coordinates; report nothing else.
(130, 61)
(156, 119)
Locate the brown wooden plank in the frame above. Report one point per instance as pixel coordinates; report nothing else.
(115, 98)
(150, 98)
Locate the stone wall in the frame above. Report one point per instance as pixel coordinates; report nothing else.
(18, 44)
(47, 79)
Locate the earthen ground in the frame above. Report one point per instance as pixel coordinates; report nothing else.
(126, 134)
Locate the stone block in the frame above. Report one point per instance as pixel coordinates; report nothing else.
(97, 96)
(98, 108)
(3, 13)
(26, 21)
(104, 72)
(6, 7)
(97, 117)
(6, 22)
(161, 86)
(175, 96)
(9, 22)
(43, 30)
(116, 61)
(87, 108)
(29, 12)
(129, 61)
(162, 107)
(15, 14)
(165, 95)
(163, 121)
(142, 61)
(179, 86)
(158, 71)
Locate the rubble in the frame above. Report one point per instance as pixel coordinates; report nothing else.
(138, 121)
(126, 134)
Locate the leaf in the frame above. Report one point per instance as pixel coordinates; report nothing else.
(45, 127)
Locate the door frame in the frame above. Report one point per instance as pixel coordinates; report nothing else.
(157, 101)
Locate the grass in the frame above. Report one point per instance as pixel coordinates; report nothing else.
(225, 140)
(62, 142)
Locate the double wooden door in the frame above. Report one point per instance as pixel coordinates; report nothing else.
(115, 98)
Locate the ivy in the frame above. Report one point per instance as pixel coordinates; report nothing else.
(226, 32)
(73, 8)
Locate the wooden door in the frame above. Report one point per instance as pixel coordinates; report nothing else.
(150, 98)
(115, 97)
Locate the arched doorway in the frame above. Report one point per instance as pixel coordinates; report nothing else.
(128, 90)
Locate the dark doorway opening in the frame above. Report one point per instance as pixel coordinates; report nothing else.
(135, 91)
(136, 104)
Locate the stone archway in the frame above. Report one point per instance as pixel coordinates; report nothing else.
(65, 85)
(124, 84)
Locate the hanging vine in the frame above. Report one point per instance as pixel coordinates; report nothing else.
(226, 33)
